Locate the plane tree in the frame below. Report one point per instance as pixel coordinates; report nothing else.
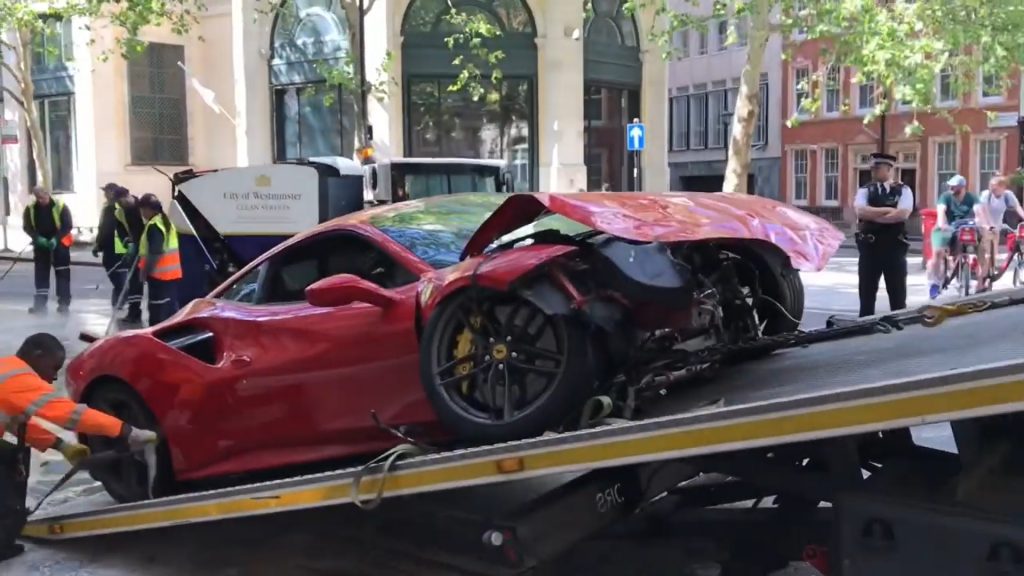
(901, 46)
(26, 26)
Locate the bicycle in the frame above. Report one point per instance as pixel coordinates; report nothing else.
(963, 253)
(1014, 256)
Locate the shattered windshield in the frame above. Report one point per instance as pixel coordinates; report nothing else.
(437, 232)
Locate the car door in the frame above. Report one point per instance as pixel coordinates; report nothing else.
(306, 378)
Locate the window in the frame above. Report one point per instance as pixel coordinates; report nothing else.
(442, 123)
(244, 289)
(158, 119)
(761, 129)
(698, 121)
(990, 161)
(830, 175)
(866, 97)
(53, 45)
(312, 120)
(702, 40)
(800, 14)
(801, 89)
(716, 118)
(833, 90)
(680, 122)
(293, 270)
(945, 164)
(681, 41)
(721, 35)
(991, 87)
(946, 92)
(743, 32)
(57, 122)
(800, 165)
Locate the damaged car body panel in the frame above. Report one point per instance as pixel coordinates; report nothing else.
(380, 314)
(809, 241)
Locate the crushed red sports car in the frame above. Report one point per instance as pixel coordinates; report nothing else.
(471, 318)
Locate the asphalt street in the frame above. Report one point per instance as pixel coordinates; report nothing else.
(318, 542)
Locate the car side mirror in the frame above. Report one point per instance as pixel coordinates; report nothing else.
(345, 289)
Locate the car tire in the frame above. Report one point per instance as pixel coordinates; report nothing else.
(782, 283)
(121, 401)
(573, 385)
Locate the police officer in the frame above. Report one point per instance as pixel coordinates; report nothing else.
(159, 260)
(129, 231)
(26, 393)
(47, 221)
(883, 207)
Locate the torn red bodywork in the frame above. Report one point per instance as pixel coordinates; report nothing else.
(808, 240)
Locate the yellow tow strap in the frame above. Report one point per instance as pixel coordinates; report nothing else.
(935, 314)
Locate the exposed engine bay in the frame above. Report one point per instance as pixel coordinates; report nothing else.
(649, 306)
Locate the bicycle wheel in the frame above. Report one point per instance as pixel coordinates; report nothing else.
(965, 277)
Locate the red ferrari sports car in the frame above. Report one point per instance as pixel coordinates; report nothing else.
(458, 319)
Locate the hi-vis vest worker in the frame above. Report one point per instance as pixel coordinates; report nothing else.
(26, 392)
(168, 262)
(121, 242)
(57, 209)
(24, 395)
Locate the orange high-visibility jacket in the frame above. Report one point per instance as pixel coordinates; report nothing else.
(24, 395)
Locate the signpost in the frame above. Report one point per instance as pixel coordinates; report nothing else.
(636, 141)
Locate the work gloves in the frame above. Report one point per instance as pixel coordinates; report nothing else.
(73, 452)
(41, 242)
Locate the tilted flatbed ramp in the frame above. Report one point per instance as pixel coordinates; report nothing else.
(964, 368)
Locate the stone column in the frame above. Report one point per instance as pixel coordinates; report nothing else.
(560, 96)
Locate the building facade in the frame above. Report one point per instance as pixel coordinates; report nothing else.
(827, 154)
(570, 85)
(704, 78)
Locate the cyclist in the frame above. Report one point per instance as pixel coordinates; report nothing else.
(993, 204)
(954, 206)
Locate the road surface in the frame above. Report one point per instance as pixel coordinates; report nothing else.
(332, 541)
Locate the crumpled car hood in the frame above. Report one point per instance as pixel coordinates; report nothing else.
(809, 240)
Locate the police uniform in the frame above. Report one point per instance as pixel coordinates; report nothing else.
(883, 245)
(50, 227)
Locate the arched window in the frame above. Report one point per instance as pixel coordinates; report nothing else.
(440, 122)
(311, 118)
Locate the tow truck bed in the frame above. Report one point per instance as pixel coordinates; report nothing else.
(967, 367)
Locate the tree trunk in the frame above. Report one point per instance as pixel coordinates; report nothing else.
(747, 104)
(24, 46)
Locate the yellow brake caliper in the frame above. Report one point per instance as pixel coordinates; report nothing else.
(464, 347)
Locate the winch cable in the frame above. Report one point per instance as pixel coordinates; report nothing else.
(15, 261)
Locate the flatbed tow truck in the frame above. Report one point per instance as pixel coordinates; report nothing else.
(825, 423)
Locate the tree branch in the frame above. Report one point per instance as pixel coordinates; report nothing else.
(17, 99)
(10, 70)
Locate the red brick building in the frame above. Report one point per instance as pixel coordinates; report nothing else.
(825, 156)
